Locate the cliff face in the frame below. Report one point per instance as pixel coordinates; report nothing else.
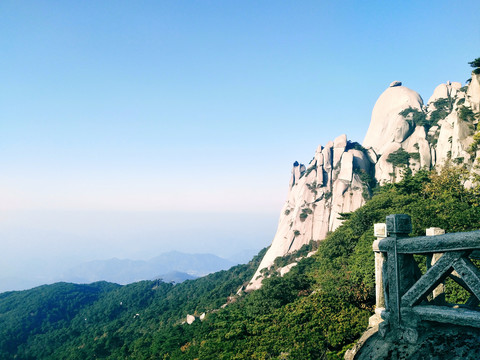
(318, 193)
(403, 132)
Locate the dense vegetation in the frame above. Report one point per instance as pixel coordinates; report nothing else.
(315, 311)
(475, 64)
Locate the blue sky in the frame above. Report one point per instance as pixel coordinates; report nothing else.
(189, 114)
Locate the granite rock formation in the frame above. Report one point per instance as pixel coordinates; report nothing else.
(330, 185)
(403, 133)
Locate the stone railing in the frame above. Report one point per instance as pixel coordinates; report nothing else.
(405, 297)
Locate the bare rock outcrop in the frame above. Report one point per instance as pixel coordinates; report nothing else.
(387, 125)
(473, 93)
(318, 194)
(403, 133)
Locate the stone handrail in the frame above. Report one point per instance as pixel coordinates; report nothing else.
(404, 296)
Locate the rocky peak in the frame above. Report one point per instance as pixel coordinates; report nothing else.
(330, 185)
(386, 125)
(297, 172)
(402, 133)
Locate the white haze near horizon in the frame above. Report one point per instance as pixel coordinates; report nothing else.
(128, 130)
(122, 235)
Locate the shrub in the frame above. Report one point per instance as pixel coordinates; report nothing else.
(476, 65)
(399, 158)
(458, 160)
(313, 187)
(443, 107)
(466, 114)
(310, 169)
(305, 213)
(354, 145)
(328, 195)
(474, 146)
(418, 117)
(415, 155)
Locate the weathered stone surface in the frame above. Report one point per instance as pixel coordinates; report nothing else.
(440, 243)
(432, 231)
(473, 93)
(434, 276)
(380, 230)
(442, 91)
(361, 161)
(346, 167)
(372, 156)
(316, 199)
(339, 145)
(399, 224)
(433, 342)
(407, 330)
(328, 156)
(190, 319)
(417, 143)
(330, 184)
(387, 125)
(383, 168)
(287, 268)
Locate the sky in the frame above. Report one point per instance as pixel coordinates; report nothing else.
(132, 128)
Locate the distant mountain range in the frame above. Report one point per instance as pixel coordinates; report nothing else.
(125, 271)
(172, 266)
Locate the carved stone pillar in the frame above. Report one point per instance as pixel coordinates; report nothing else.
(439, 291)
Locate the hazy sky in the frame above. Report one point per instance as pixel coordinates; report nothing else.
(129, 128)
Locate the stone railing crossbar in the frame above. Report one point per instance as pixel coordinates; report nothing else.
(433, 244)
(432, 278)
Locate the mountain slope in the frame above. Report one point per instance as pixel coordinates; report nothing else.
(62, 321)
(319, 308)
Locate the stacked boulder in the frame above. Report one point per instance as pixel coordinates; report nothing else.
(330, 185)
(403, 133)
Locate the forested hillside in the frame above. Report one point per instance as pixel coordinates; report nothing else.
(316, 311)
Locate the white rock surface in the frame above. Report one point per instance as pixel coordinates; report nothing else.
(190, 319)
(331, 184)
(387, 125)
(287, 268)
(316, 199)
(473, 93)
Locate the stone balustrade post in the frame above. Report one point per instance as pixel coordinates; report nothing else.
(380, 232)
(439, 291)
(398, 266)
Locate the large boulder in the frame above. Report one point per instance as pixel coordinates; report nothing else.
(386, 125)
(473, 93)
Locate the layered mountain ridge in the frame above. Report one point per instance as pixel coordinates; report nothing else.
(403, 133)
